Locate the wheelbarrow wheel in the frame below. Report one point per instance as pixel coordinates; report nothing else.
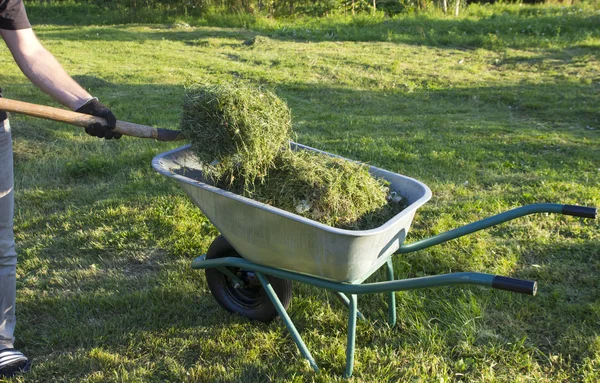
(251, 300)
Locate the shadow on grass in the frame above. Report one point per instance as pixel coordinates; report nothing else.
(491, 32)
(489, 134)
(564, 316)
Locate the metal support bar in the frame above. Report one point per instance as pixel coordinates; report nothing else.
(238, 282)
(344, 299)
(464, 278)
(391, 295)
(351, 336)
(288, 322)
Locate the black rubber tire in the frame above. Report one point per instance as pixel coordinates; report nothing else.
(250, 301)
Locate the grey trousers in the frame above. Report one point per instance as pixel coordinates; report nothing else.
(8, 255)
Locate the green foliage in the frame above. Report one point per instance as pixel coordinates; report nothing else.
(271, 8)
(479, 26)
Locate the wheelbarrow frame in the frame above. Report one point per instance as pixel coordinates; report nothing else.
(348, 291)
(392, 285)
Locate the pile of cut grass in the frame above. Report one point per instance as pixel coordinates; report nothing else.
(327, 189)
(241, 134)
(237, 130)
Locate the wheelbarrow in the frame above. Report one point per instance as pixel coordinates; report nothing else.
(262, 249)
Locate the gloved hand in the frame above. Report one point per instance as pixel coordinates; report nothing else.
(96, 108)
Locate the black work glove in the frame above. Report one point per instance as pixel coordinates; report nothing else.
(96, 108)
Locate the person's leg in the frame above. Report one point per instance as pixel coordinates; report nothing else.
(11, 360)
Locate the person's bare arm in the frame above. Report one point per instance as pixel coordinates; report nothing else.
(42, 68)
(45, 72)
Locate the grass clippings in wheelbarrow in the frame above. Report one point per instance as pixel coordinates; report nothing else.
(241, 134)
(237, 128)
(327, 189)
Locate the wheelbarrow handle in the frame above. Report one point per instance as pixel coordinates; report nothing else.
(84, 120)
(459, 278)
(515, 285)
(580, 211)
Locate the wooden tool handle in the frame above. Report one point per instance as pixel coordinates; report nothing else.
(83, 120)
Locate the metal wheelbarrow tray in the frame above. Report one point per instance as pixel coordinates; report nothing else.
(259, 240)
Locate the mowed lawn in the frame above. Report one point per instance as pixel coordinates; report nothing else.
(491, 110)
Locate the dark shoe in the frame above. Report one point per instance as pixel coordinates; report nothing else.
(13, 362)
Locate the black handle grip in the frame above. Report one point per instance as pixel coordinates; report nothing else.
(515, 285)
(580, 211)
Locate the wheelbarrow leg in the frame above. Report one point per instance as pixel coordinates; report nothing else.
(351, 336)
(391, 295)
(344, 299)
(288, 322)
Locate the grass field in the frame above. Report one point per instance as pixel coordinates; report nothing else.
(493, 110)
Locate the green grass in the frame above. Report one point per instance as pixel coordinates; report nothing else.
(106, 292)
